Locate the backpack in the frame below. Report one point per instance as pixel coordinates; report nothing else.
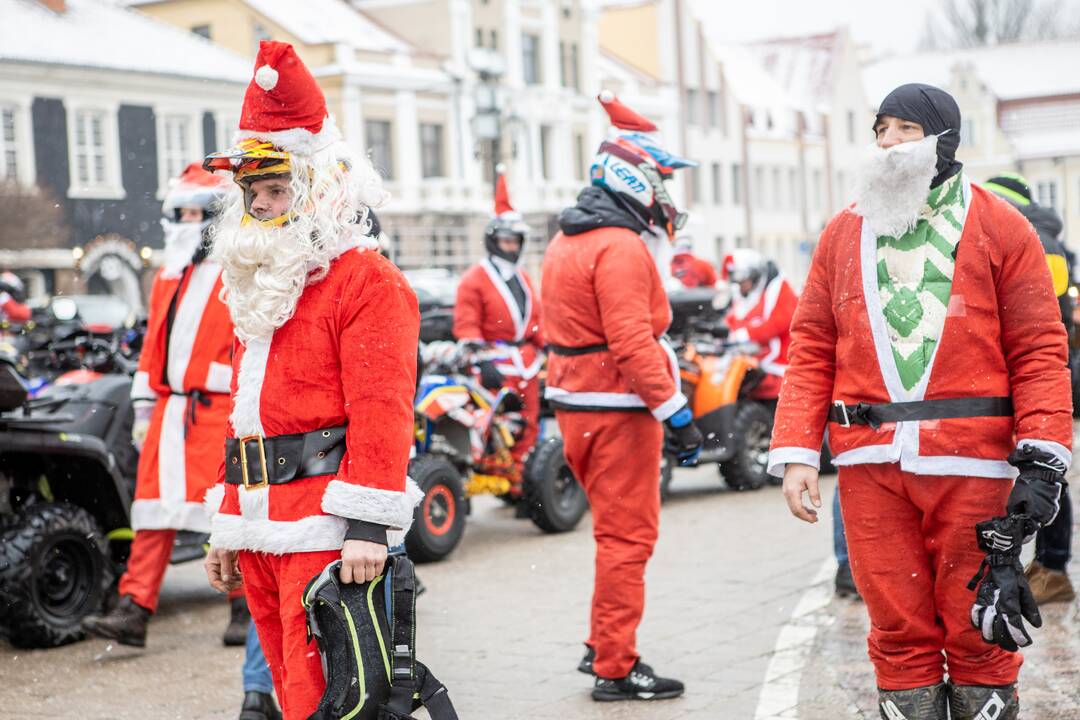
(368, 654)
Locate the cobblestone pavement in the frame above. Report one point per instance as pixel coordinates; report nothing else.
(732, 602)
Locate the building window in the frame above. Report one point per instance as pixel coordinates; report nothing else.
(818, 182)
(695, 185)
(494, 35)
(175, 147)
(479, 37)
(717, 184)
(713, 101)
(739, 241)
(545, 152)
(718, 243)
(530, 56)
(575, 75)
(969, 136)
(9, 156)
(579, 156)
(736, 183)
(431, 150)
(201, 31)
(90, 147)
(794, 200)
(777, 190)
(691, 106)
(758, 198)
(258, 34)
(841, 184)
(380, 147)
(1047, 190)
(851, 127)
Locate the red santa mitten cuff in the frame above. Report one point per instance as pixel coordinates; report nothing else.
(212, 500)
(385, 507)
(1058, 450)
(780, 457)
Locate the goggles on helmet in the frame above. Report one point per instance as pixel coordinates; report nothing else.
(252, 160)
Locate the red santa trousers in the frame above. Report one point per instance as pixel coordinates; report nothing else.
(274, 585)
(616, 458)
(151, 551)
(529, 392)
(911, 540)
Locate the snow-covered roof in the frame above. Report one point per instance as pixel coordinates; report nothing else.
(1011, 72)
(754, 87)
(329, 21)
(802, 65)
(1030, 146)
(94, 33)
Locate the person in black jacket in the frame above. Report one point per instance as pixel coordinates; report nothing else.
(1053, 545)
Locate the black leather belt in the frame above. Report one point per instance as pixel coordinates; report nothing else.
(877, 415)
(255, 461)
(566, 351)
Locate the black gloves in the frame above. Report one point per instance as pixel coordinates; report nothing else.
(490, 377)
(1003, 600)
(1037, 492)
(683, 439)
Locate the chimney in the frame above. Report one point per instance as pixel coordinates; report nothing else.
(57, 6)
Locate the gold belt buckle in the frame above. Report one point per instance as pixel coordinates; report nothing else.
(244, 462)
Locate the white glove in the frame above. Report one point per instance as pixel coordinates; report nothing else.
(144, 409)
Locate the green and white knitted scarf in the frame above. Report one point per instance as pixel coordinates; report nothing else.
(915, 274)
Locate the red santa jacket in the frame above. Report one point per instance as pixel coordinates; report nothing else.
(693, 271)
(347, 356)
(764, 317)
(485, 310)
(1002, 337)
(185, 367)
(602, 288)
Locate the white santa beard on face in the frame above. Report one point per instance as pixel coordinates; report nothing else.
(891, 186)
(264, 271)
(181, 242)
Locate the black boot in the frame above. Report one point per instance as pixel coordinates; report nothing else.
(641, 684)
(585, 666)
(239, 619)
(259, 706)
(924, 703)
(978, 702)
(125, 623)
(845, 583)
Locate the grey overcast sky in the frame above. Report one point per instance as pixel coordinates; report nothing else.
(886, 27)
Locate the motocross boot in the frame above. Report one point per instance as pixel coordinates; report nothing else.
(125, 623)
(984, 702)
(259, 706)
(237, 629)
(924, 703)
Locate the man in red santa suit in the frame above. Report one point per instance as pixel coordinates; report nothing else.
(324, 371)
(761, 309)
(929, 337)
(497, 306)
(181, 403)
(613, 381)
(691, 270)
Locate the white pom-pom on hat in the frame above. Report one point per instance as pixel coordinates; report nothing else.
(501, 168)
(266, 77)
(606, 96)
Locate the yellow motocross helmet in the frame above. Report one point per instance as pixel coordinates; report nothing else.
(252, 160)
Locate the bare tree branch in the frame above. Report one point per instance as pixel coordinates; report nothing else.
(31, 219)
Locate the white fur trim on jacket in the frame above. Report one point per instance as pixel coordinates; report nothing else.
(277, 537)
(245, 416)
(212, 500)
(385, 507)
(297, 140)
(157, 515)
(780, 457)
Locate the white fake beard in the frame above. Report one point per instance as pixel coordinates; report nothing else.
(891, 186)
(662, 252)
(264, 272)
(181, 242)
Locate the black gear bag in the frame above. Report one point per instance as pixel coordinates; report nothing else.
(369, 655)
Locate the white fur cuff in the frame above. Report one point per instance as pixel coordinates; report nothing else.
(212, 500)
(385, 507)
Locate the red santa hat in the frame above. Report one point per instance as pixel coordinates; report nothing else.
(284, 105)
(623, 117)
(195, 187)
(502, 195)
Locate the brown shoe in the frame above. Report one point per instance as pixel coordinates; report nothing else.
(125, 623)
(1048, 586)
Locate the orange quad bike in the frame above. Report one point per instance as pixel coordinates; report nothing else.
(719, 378)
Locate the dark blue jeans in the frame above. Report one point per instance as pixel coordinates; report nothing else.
(839, 539)
(1053, 544)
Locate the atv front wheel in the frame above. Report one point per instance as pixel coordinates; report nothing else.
(553, 496)
(54, 571)
(439, 519)
(752, 431)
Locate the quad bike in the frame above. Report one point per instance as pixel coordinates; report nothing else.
(464, 434)
(719, 378)
(67, 476)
